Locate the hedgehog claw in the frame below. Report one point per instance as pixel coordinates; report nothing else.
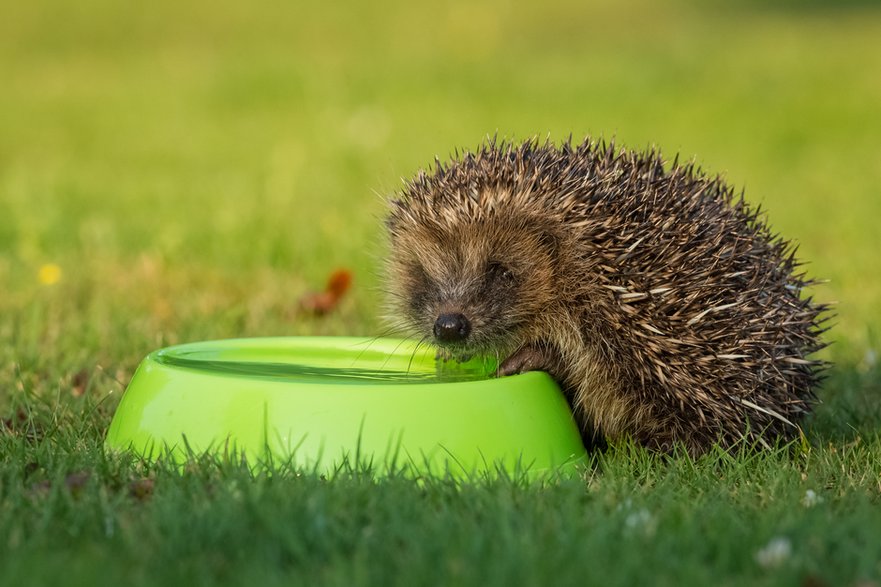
(527, 358)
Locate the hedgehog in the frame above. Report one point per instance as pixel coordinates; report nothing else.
(660, 301)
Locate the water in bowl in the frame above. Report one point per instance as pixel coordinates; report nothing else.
(356, 368)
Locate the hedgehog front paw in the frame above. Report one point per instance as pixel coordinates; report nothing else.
(527, 358)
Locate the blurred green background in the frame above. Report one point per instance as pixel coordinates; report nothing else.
(177, 171)
(193, 169)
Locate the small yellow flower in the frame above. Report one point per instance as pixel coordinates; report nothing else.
(49, 274)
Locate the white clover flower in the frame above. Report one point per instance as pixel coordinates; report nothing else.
(775, 553)
(811, 499)
(641, 521)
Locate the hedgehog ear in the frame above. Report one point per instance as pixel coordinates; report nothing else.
(392, 220)
(391, 226)
(550, 240)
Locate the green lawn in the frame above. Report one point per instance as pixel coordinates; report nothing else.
(193, 169)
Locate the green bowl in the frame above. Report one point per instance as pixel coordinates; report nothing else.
(328, 402)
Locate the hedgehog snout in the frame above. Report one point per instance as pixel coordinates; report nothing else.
(451, 328)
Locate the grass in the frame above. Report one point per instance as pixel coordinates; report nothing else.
(192, 173)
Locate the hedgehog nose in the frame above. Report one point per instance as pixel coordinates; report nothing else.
(451, 328)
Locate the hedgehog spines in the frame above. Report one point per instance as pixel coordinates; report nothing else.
(688, 315)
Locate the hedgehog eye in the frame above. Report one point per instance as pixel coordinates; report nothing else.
(498, 271)
(419, 287)
(418, 273)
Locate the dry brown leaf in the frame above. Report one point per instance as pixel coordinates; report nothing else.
(79, 383)
(321, 303)
(141, 489)
(76, 482)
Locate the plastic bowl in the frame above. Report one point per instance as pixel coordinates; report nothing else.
(322, 402)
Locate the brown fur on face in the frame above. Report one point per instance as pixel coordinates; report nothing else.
(499, 271)
(663, 305)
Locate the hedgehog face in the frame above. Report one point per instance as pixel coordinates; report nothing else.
(472, 286)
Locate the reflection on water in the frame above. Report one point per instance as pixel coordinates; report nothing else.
(445, 373)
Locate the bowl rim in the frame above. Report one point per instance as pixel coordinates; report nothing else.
(179, 356)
